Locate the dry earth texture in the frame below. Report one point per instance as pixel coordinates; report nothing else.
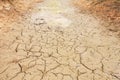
(59, 40)
(107, 10)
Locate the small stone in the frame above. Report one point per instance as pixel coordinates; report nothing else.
(7, 6)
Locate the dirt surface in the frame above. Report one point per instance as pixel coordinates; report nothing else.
(107, 10)
(52, 41)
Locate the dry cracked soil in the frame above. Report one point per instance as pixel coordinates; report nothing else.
(52, 41)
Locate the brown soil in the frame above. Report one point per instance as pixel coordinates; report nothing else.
(13, 10)
(107, 10)
(10, 9)
(54, 42)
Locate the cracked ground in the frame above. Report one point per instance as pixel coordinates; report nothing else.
(52, 41)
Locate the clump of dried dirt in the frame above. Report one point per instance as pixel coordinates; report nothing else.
(6, 8)
(107, 10)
